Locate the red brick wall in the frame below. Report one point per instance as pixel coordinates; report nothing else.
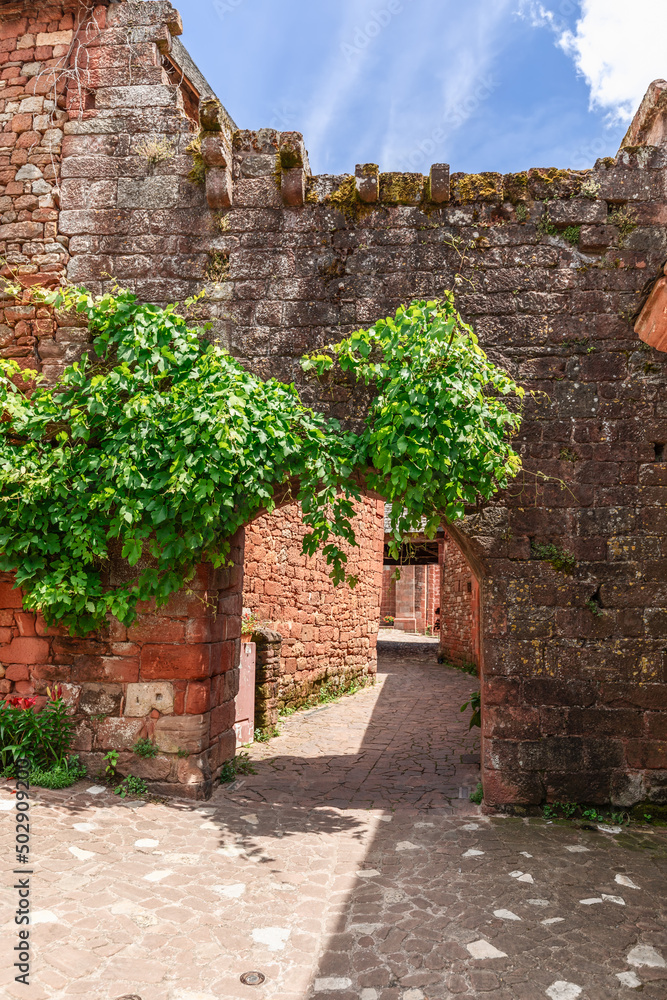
(459, 608)
(328, 632)
(388, 605)
(171, 676)
(432, 594)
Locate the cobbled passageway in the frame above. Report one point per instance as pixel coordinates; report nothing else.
(351, 866)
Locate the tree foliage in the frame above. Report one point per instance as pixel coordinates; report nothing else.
(159, 446)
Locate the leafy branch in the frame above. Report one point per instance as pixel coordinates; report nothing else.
(159, 448)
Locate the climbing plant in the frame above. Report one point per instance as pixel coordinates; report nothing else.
(438, 431)
(158, 446)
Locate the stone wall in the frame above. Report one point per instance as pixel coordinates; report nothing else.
(550, 266)
(329, 633)
(171, 676)
(36, 88)
(388, 601)
(459, 619)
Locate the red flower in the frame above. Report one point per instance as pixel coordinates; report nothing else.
(22, 703)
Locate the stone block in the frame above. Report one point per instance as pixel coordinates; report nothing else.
(155, 191)
(367, 182)
(198, 697)
(223, 749)
(149, 768)
(117, 734)
(182, 732)
(261, 165)
(141, 699)
(10, 596)
(193, 770)
(438, 184)
(156, 628)
(25, 649)
(138, 97)
(293, 186)
(577, 211)
(215, 150)
(50, 38)
(219, 190)
(170, 662)
(106, 669)
(100, 699)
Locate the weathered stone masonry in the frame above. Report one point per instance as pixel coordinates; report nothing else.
(329, 633)
(551, 266)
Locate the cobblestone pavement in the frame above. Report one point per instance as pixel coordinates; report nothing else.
(346, 867)
(396, 635)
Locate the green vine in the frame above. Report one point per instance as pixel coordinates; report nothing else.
(161, 447)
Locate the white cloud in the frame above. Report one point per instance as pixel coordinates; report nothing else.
(618, 46)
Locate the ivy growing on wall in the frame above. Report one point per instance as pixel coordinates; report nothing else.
(159, 446)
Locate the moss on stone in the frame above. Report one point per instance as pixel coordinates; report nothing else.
(369, 169)
(477, 187)
(198, 173)
(290, 158)
(401, 189)
(347, 201)
(553, 183)
(311, 192)
(515, 187)
(649, 812)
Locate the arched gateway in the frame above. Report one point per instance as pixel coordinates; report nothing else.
(105, 170)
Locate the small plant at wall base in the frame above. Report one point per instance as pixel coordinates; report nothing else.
(43, 738)
(329, 691)
(264, 735)
(478, 795)
(131, 785)
(111, 758)
(241, 764)
(157, 450)
(590, 814)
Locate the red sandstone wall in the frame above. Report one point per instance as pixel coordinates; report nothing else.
(40, 91)
(328, 632)
(413, 598)
(388, 605)
(459, 615)
(171, 675)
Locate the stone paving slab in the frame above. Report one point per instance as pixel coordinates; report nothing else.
(347, 867)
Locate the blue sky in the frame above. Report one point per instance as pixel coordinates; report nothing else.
(486, 85)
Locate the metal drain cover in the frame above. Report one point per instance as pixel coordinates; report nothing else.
(253, 978)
